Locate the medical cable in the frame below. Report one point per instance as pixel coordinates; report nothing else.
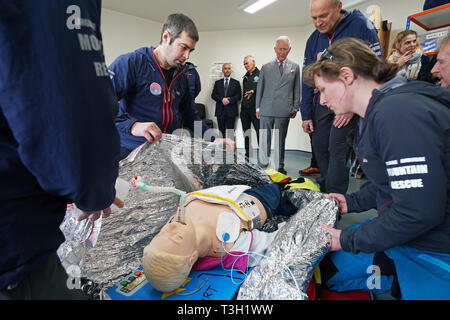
(248, 253)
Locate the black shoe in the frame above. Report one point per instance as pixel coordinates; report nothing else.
(281, 170)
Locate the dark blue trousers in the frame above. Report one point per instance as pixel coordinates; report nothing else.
(331, 149)
(272, 200)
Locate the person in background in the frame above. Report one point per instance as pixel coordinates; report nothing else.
(152, 87)
(409, 55)
(248, 109)
(226, 93)
(55, 94)
(406, 249)
(330, 131)
(313, 169)
(277, 101)
(442, 67)
(195, 85)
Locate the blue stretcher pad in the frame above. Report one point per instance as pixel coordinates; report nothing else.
(214, 284)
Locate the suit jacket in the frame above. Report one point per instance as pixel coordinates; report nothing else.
(278, 95)
(234, 93)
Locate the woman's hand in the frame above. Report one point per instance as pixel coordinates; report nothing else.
(342, 202)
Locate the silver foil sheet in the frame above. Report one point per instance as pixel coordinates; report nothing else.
(295, 252)
(174, 161)
(190, 164)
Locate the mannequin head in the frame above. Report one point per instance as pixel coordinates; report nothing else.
(169, 257)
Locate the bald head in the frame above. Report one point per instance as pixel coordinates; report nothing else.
(326, 15)
(226, 70)
(334, 3)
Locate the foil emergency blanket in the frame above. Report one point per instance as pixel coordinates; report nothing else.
(174, 161)
(299, 245)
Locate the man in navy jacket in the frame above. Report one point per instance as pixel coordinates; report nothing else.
(152, 87)
(329, 132)
(226, 93)
(58, 142)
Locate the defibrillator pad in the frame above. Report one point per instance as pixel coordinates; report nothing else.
(251, 210)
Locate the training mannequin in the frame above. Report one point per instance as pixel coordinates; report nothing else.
(212, 227)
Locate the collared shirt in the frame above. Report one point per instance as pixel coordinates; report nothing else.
(283, 62)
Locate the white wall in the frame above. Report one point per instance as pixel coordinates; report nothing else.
(124, 33)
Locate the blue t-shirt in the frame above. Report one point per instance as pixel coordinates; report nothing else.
(58, 142)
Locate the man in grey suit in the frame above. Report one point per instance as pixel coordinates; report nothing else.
(277, 101)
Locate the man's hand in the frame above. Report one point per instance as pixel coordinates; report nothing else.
(308, 126)
(342, 203)
(258, 116)
(226, 101)
(248, 94)
(105, 212)
(341, 120)
(335, 235)
(228, 142)
(293, 114)
(148, 130)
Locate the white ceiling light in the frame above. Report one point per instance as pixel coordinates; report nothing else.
(253, 6)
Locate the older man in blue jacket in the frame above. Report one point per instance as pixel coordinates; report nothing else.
(329, 131)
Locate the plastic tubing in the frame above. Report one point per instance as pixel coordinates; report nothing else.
(155, 189)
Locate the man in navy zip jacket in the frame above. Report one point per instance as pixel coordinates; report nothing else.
(152, 87)
(55, 94)
(329, 131)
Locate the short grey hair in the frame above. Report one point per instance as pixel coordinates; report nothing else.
(249, 57)
(283, 38)
(335, 3)
(444, 41)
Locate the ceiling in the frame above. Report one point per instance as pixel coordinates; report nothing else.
(212, 15)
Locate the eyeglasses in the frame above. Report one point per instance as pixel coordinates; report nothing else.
(327, 55)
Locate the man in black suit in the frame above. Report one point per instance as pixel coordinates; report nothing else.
(226, 93)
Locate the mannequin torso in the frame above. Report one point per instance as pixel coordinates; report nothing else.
(204, 217)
